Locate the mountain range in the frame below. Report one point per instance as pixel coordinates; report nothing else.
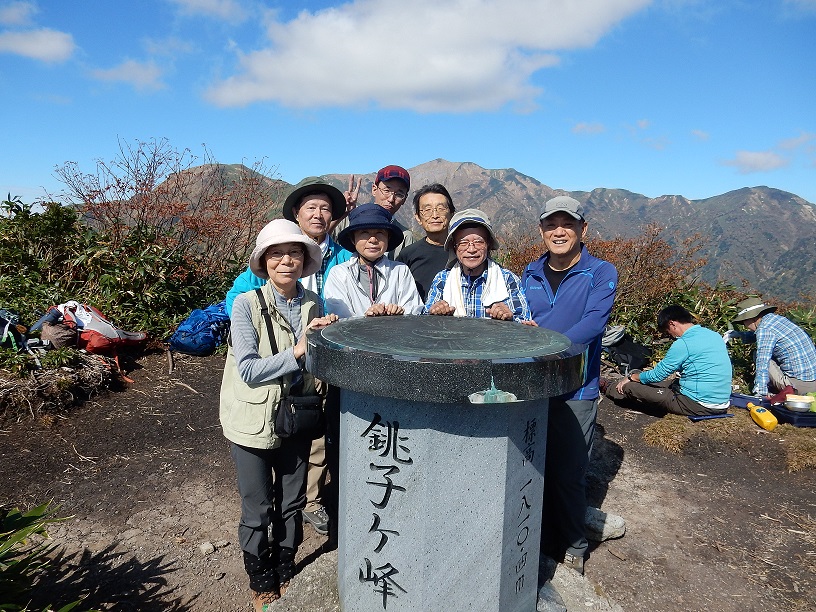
(761, 237)
(758, 237)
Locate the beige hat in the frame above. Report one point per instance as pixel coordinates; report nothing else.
(750, 308)
(470, 217)
(281, 231)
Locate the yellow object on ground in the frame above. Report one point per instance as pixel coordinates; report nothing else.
(762, 417)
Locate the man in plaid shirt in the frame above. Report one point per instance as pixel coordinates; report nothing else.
(476, 286)
(785, 354)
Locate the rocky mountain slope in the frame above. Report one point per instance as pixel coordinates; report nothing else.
(760, 235)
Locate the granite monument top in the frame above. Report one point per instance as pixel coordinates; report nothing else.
(444, 359)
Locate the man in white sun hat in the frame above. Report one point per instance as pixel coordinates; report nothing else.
(785, 354)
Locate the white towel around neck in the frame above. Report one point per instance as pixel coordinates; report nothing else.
(495, 289)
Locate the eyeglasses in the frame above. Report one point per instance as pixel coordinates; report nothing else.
(398, 195)
(429, 211)
(296, 254)
(478, 244)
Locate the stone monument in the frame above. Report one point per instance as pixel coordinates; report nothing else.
(442, 441)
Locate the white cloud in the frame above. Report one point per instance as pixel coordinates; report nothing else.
(643, 124)
(700, 134)
(17, 13)
(747, 162)
(228, 10)
(141, 75)
(658, 144)
(588, 128)
(43, 44)
(170, 46)
(800, 141)
(805, 5)
(430, 55)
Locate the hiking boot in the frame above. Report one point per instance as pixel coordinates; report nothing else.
(601, 526)
(574, 563)
(602, 385)
(263, 601)
(318, 519)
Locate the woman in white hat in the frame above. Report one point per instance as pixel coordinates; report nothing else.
(265, 363)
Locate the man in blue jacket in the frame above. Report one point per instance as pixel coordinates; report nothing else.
(312, 204)
(571, 292)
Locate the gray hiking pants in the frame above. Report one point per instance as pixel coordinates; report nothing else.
(570, 429)
(272, 484)
(664, 394)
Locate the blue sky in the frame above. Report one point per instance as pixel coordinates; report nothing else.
(686, 97)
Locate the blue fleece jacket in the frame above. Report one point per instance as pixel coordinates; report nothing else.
(579, 309)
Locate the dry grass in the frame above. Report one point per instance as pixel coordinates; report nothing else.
(673, 432)
(46, 393)
(670, 433)
(800, 446)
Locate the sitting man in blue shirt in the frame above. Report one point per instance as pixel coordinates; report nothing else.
(700, 358)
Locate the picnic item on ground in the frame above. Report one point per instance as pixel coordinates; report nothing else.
(799, 403)
(762, 416)
(705, 417)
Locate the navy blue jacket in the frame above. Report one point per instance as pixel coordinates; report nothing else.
(579, 309)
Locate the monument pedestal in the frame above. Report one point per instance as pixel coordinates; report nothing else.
(440, 498)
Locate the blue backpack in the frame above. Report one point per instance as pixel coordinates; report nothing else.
(201, 332)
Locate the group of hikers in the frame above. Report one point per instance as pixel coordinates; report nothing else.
(329, 258)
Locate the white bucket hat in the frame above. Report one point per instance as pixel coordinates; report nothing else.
(281, 231)
(470, 217)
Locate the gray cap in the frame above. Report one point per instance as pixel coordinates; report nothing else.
(566, 204)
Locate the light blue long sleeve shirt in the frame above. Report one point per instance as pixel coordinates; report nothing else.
(701, 359)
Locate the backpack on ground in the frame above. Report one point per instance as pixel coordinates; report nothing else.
(75, 324)
(202, 331)
(12, 332)
(622, 349)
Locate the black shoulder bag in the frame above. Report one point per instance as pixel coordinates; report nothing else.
(297, 416)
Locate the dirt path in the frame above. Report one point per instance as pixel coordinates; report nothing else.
(147, 478)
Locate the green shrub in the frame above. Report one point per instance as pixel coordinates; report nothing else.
(60, 358)
(19, 364)
(35, 248)
(21, 560)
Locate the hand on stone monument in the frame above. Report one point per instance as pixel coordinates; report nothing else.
(299, 349)
(500, 311)
(379, 310)
(319, 322)
(441, 308)
(530, 322)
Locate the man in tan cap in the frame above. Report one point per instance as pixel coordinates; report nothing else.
(785, 354)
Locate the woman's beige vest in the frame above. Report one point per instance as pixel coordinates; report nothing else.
(248, 410)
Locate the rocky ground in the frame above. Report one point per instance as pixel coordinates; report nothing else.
(146, 479)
